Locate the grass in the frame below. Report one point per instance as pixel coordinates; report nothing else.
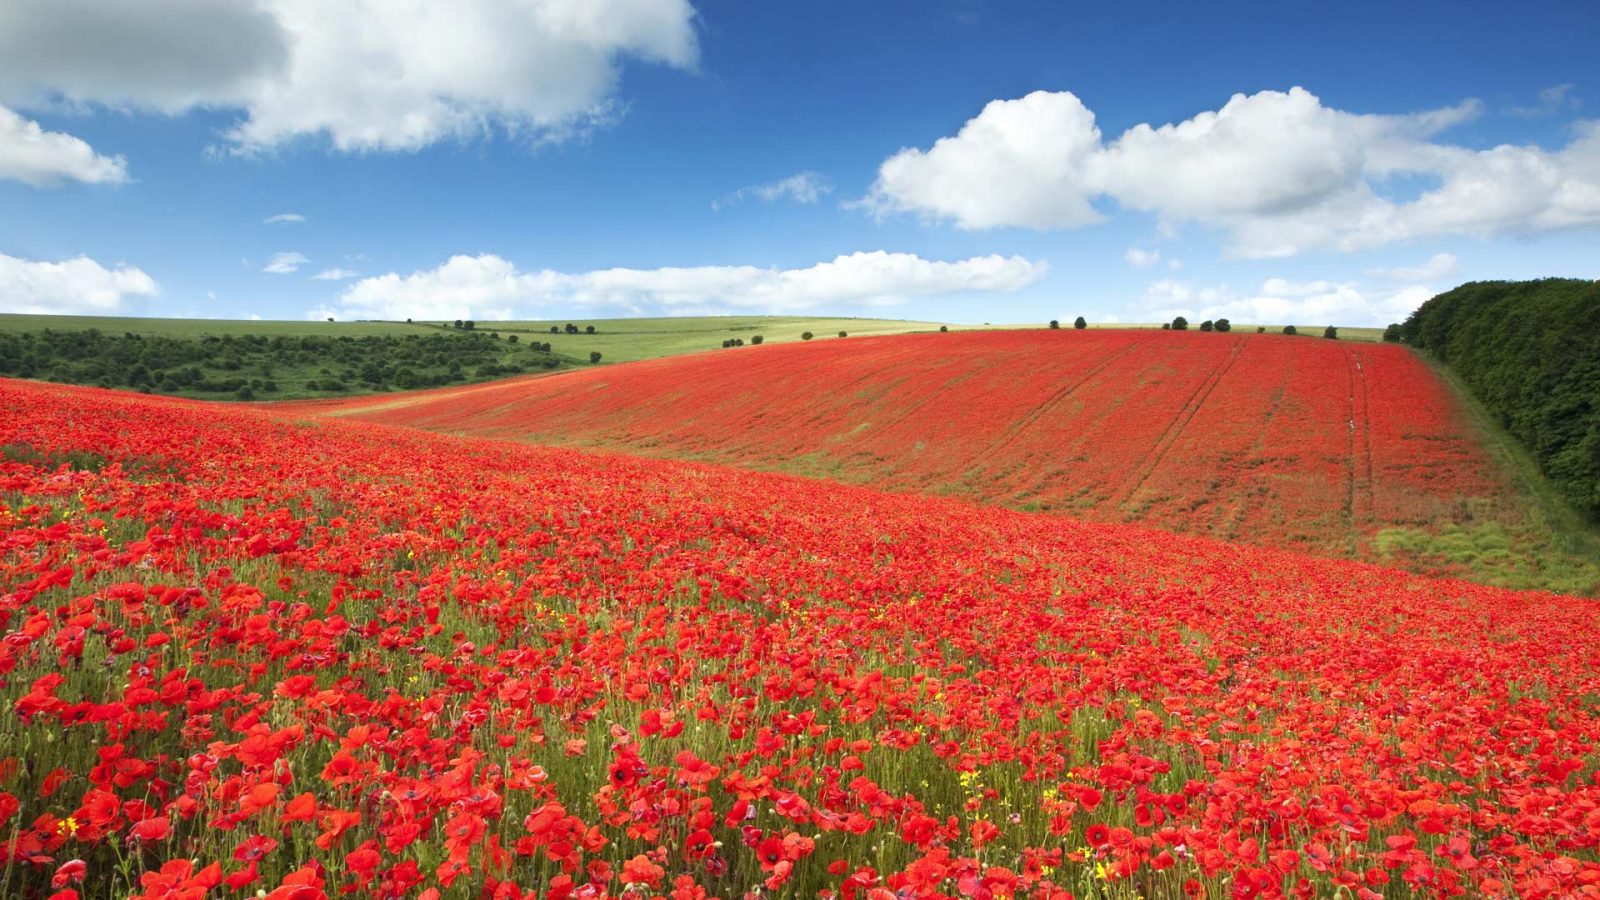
(628, 340)
(1566, 546)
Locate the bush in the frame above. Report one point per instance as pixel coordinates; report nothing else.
(511, 339)
(1166, 326)
(756, 340)
(1054, 324)
(594, 356)
(1391, 335)
(1223, 325)
(1180, 324)
(1206, 325)
(843, 334)
(1079, 323)
(1331, 333)
(571, 328)
(554, 330)
(806, 335)
(1261, 329)
(589, 329)
(943, 328)
(1290, 329)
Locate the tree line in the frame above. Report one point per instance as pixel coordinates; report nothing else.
(1530, 352)
(248, 367)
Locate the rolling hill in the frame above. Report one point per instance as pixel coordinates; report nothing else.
(1341, 448)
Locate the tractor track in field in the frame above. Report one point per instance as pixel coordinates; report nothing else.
(1015, 430)
(1174, 430)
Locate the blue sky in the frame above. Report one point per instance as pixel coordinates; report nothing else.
(958, 161)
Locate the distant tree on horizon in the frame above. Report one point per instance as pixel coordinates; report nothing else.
(1079, 323)
(1180, 324)
(1331, 333)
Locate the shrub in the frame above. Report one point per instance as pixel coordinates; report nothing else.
(589, 329)
(1206, 325)
(1289, 329)
(1222, 325)
(1054, 324)
(1079, 323)
(571, 328)
(943, 328)
(1261, 329)
(844, 334)
(1331, 333)
(1391, 335)
(1166, 326)
(806, 335)
(755, 340)
(511, 339)
(554, 330)
(594, 356)
(1180, 324)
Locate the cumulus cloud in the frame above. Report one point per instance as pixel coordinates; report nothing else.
(77, 286)
(335, 274)
(284, 219)
(801, 187)
(1280, 301)
(489, 287)
(286, 263)
(31, 155)
(1278, 173)
(365, 74)
(1141, 259)
(1440, 265)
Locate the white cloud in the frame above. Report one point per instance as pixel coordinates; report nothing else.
(335, 274)
(1440, 265)
(488, 287)
(1554, 99)
(364, 74)
(801, 187)
(286, 263)
(31, 155)
(1142, 259)
(284, 219)
(1279, 173)
(1279, 301)
(77, 286)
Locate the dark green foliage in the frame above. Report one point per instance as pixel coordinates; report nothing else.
(1222, 325)
(1166, 326)
(1290, 330)
(1391, 335)
(1180, 324)
(1530, 352)
(806, 336)
(1261, 329)
(594, 356)
(1207, 325)
(1054, 323)
(589, 329)
(263, 367)
(1331, 333)
(756, 340)
(512, 339)
(944, 328)
(1079, 323)
(844, 334)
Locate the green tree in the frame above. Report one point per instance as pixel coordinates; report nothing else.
(1079, 323)
(1180, 324)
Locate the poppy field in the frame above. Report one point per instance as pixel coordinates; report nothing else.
(248, 654)
(1297, 443)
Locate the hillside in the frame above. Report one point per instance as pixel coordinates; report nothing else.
(1530, 352)
(218, 359)
(341, 655)
(1347, 449)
